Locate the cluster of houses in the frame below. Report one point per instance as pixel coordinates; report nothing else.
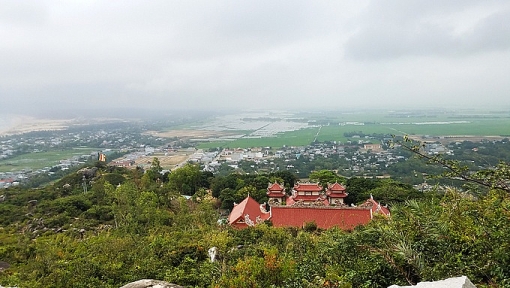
(436, 148)
(106, 140)
(129, 159)
(7, 148)
(8, 182)
(307, 203)
(368, 157)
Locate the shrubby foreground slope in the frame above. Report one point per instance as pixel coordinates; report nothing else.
(132, 225)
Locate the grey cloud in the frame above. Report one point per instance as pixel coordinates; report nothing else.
(22, 13)
(252, 54)
(407, 29)
(493, 33)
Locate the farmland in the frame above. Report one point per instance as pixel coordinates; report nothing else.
(39, 160)
(291, 138)
(321, 127)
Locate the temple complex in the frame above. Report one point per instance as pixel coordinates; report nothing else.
(307, 203)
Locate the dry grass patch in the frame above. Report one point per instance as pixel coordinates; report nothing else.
(167, 162)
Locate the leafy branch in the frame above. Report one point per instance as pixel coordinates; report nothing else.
(497, 177)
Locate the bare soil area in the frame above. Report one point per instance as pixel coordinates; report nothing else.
(455, 138)
(20, 124)
(167, 162)
(24, 124)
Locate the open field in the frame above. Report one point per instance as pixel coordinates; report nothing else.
(410, 116)
(447, 128)
(189, 134)
(34, 161)
(167, 162)
(474, 128)
(292, 138)
(336, 132)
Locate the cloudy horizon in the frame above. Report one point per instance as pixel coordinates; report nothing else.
(199, 55)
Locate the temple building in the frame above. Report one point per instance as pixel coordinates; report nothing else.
(276, 193)
(307, 203)
(336, 194)
(247, 213)
(307, 194)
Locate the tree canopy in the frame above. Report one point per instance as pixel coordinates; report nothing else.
(325, 177)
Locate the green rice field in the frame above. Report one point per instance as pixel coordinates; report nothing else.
(443, 125)
(294, 138)
(39, 160)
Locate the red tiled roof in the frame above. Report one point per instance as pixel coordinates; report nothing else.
(289, 201)
(307, 197)
(336, 191)
(273, 194)
(275, 190)
(336, 187)
(376, 207)
(325, 217)
(336, 195)
(247, 207)
(275, 187)
(307, 187)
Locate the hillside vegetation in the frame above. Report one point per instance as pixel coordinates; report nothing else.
(131, 225)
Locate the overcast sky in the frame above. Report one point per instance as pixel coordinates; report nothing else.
(254, 54)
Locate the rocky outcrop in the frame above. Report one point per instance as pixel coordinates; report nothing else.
(4, 266)
(213, 252)
(88, 172)
(457, 282)
(150, 283)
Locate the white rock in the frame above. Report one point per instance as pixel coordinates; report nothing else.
(149, 283)
(457, 282)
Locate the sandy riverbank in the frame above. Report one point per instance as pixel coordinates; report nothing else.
(18, 124)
